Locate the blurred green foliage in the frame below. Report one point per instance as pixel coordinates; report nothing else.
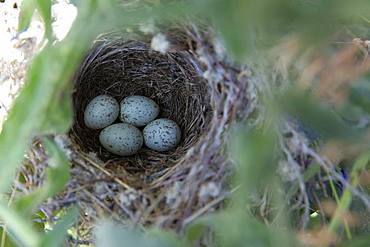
(360, 95)
(28, 8)
(247, 27)
(56, 237)
(322, 119)
(57, 175)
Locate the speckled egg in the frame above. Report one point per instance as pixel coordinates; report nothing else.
(162, 134)
(102, 111)
(121, 139)
(138, 110)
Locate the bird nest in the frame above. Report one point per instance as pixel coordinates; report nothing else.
(122, 68)
(196, 85)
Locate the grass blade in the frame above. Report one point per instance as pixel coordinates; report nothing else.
(19, 227)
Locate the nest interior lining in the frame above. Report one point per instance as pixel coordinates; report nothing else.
(122, 68)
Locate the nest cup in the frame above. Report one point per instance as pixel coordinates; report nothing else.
(122, 68)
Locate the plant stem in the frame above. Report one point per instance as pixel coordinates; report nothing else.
(346, 199)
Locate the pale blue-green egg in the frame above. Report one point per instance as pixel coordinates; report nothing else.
(121, 139)
(138, 110)
(162, 135)
(101, 111)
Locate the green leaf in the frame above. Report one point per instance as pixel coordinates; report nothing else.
(27, 9)
(57, 177)
(195, 231)
(44, 7)
(249, 25)
(254, 153)
(58, 172)
(311, 171)
(160, 237)
(8, 241)
(231, 19)
(244, 230)
(316, 116)
(110, 234)
(38, 221)
(27, 203)
(361, 241)
(18, 227)
(24, 119)
(55, 237)
(60, 113)
(345, 201)
(361, 163)
(360, 96)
